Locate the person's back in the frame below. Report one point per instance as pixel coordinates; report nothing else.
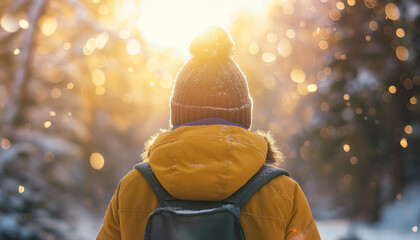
(210, 153)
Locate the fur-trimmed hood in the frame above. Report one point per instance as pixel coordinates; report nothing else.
(274, 155)
(208, 162)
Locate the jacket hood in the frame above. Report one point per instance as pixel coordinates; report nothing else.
(208, 163)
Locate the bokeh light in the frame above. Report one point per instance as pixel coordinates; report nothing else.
(392, 89)
(98, 77)
(269, 57)
(354, 160)
(402, 53)
(403, 142)
(5, 143)
(97, 161)
(48, 25)
(47, 124)
(9, 23)
(312, 87)
(133, 46)
(400, 32)
(408, 129)
(297, 75)
(253, 48)
(346, 148)
(392, 11)
(284, 48)
(23, 23)
(413, 100)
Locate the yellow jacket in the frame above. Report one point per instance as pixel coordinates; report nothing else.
(211, 163)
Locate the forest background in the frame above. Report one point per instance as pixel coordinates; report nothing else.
(83, 84)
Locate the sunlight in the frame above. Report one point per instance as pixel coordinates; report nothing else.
(175, 23)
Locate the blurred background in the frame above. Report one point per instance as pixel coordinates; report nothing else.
(84, 83)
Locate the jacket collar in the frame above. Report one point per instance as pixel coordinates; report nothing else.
(209, 121)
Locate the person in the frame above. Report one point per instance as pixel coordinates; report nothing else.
(210, 152)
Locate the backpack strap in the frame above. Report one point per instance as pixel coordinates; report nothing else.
(263, 176)
(160, 192)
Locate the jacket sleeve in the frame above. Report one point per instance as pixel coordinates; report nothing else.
(301, 226)
(110, 229)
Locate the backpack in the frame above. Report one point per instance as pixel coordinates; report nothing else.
(190, 220)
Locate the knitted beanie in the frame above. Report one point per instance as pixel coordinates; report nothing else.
(211, 84)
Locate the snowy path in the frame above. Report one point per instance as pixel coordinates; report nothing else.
(342, 230)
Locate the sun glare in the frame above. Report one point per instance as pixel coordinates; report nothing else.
(175, 23)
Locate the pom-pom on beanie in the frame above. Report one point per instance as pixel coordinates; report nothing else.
(211, 84)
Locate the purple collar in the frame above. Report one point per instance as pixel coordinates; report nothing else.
(208, 121)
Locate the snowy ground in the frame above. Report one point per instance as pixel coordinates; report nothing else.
(87, 225)
(345, 230)
(400, 220)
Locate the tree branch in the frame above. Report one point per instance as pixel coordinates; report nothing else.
(21, 72)
(85, 16)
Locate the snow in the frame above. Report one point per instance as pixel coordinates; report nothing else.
(346, 230)
(397, 222)
(86, 224)
(405, 213)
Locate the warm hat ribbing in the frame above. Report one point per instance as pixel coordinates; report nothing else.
(211, 84)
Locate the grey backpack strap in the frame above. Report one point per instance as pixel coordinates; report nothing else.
(160, 192)
(263, 176)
